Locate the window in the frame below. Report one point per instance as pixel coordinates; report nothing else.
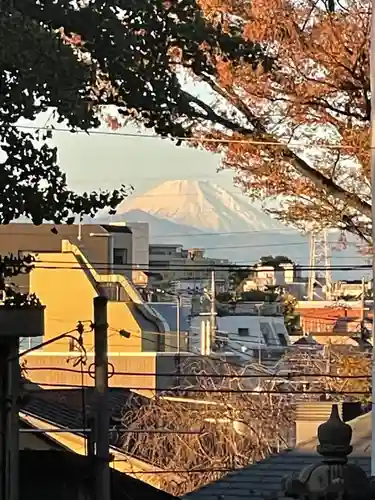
(243, 332)
(120, 256)
(266, 332)
(282, 339)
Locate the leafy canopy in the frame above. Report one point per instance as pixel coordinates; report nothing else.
(317, 95)
(75, 57)
(282, 70)
(306, 107)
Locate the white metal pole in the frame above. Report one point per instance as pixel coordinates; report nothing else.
(372, 87)
(213, 309)
(203, 328)
(178, 305)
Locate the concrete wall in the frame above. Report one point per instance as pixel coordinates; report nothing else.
(141, 242)
(309, 415)
(123, 241)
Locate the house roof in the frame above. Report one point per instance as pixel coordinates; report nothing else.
(169, 313)
(264, 478)
(64, 407)
(64, 475)
(324, 319)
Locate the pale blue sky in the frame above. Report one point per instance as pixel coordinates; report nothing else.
(109, 160)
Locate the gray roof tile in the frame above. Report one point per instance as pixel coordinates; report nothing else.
(63, 407)
(264, 478)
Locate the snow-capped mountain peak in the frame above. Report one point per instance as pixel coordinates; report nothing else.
(203, 205)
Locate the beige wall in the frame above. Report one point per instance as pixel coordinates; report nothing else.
(309, 416)
(140, 372)
(66, 290)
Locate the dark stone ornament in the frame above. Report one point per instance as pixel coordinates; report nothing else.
(333, 478)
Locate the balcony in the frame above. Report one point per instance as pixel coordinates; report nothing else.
(114, 291)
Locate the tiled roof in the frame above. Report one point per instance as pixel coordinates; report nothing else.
(63, 407)
(264, 478)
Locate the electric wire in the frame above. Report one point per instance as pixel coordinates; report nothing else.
(280, 144)
(195, 235)
(213, 375)
(193, 267)
(188, 390)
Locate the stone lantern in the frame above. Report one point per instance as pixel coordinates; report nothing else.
(333, 478)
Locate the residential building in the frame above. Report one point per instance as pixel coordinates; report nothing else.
(285, 275)
(147, 373)
(189, 286)
(174, 263)
(107, 248)
(353, 289)
(55, 410)
(177, 314)
(266, 478)
(140, 251)
(334, 321)
(137, 331)
(251, 337)
(52, 441)
(66, 282)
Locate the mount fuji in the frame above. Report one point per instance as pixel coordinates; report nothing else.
(201, 214)
(202, 205)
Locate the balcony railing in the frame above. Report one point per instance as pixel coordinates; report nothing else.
(114, 292)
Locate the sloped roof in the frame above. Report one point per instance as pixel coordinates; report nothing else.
(64, 407)
(264, 478)
(169, 313)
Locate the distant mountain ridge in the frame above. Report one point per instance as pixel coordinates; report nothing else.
(203, 215)
(158, 226)
(202, 205)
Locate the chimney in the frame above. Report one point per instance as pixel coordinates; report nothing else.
(309, 415)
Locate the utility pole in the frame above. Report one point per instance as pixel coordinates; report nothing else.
(363, 301)
(102, 469)
(213, 308)
(9, 421)
(178, 322)
(372, 89)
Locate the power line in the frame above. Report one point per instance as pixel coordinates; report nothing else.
(114, 429)
(283, 232)
(198, 139)
(292, 243)
(211, 375)
(191, 267)
(223, 391)
(50, 341)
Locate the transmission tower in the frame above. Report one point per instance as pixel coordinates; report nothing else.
(320, 275)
